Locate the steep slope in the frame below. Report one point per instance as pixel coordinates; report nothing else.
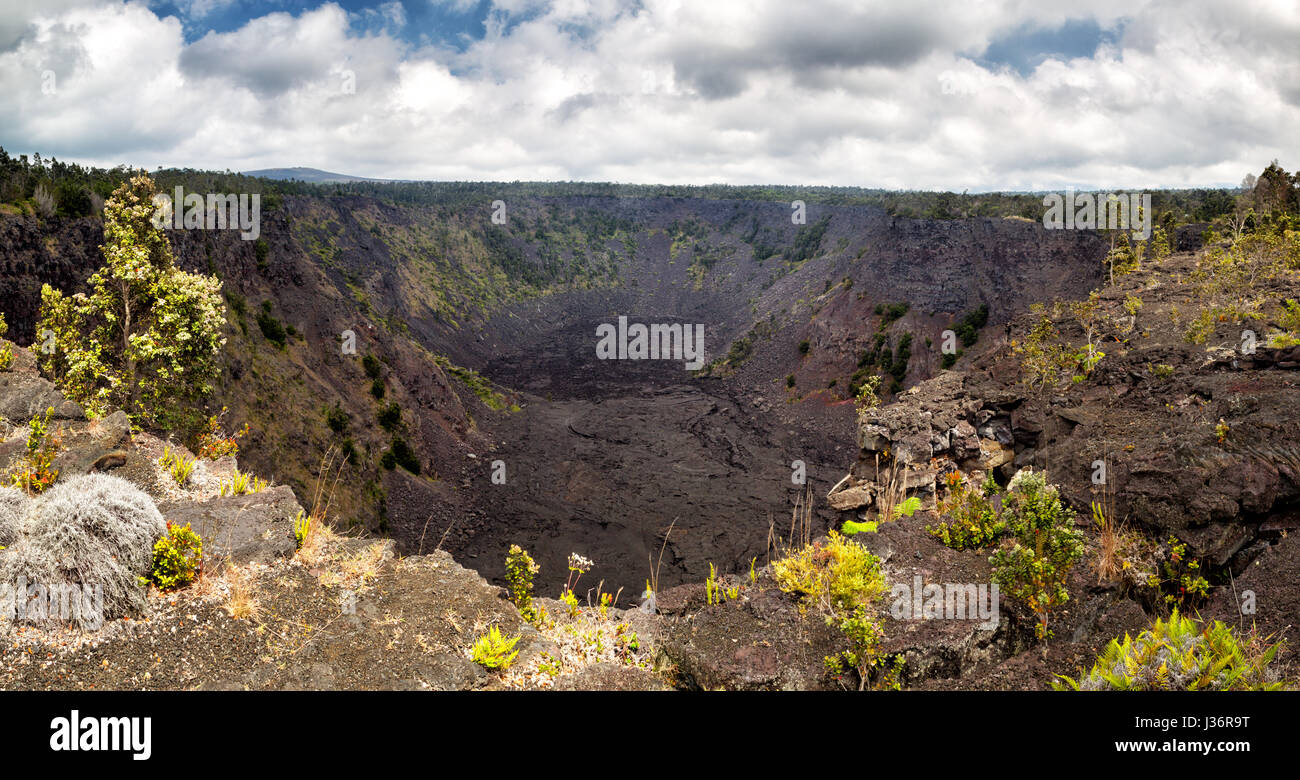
(467, 320)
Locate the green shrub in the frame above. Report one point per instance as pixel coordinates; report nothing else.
(863, 656)
(1043, 357)
(902, 356)
(1182, 580)
(301, 528)
(177, 557)
(390, 416)
(520, 569)
(808, 241)
(1181, 654)
(6, 350)
(841, 579)
(260, 251)
(871, 357)
(1033, 568)
(888, 312)
(404, 456)
(372, 366)
(34, 472)
(337, 419)
(213, 442)
(177, 465)
(866, 392)
(240, 484)
(238, 304)
(271, 327)
(968, 327)
(1288, 316)
(973, 521)
(836, 577)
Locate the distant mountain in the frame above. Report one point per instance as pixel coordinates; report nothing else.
(313, 175)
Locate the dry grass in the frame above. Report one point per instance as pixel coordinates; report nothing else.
(1123, 557)
(800, 522)
(333, 461)
(241, 601)
(1108, 564)
(319, 546)
(1111, 537)
(355, 570)
(653, 582)
(892, 492)
(364, 566)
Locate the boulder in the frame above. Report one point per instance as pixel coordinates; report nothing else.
(920, 479)
(872, 437)
(255, 527)
(759, 643)
(914, 449)
(850, 498)
(965, 442)
(87, 447)
(993, 454)
(23, 396)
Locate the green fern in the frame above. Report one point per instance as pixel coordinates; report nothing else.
(494, 651)
(1181, 654)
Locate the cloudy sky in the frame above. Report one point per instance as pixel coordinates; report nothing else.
(1012, 94)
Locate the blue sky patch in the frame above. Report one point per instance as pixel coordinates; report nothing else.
(1027, 47)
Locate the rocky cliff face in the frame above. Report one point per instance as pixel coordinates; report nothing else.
(1175, 440)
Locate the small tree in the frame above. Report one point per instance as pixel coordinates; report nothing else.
(1033, 567)
(1088, 314)
(146, 338)
(1161, 246)
(1043, 358)
(868, 395)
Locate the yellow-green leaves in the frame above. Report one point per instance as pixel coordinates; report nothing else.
(147, 336)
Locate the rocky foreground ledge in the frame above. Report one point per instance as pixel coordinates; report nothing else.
(335, 613)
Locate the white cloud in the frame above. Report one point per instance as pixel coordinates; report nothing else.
(821, 91)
